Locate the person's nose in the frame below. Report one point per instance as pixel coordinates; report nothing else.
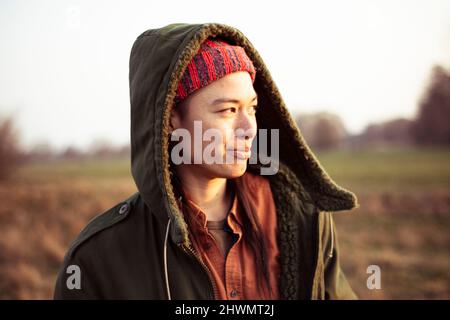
(247, 126)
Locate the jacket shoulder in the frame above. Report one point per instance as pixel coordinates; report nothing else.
(103, 221)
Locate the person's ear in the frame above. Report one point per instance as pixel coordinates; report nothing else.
(175, 120)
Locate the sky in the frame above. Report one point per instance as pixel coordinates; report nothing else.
(64, 64)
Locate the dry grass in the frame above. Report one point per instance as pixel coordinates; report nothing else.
(410, 245)
(39, 219)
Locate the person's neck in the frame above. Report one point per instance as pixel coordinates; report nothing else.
(212, 195)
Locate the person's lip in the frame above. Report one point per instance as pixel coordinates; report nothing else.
(244, 149)
(243, 154)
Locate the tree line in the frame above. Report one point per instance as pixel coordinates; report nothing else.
(321, 130)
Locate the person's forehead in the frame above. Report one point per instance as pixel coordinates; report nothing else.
(234, 99)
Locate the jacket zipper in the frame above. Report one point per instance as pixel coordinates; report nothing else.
(192, 252)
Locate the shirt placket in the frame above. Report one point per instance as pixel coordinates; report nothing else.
(233, 267)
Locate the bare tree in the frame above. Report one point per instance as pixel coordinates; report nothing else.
(10, 154)
(392, 133)
(432, 125)
(322, 130)
(41, 152)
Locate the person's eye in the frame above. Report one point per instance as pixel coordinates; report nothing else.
(255, 108)
(228, 110)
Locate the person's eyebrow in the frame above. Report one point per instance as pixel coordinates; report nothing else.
(230, 100)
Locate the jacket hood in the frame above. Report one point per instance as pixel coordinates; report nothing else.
(157, 62)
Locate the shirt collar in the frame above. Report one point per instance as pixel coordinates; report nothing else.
(197, 217)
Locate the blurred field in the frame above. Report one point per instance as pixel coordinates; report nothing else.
(402, 224)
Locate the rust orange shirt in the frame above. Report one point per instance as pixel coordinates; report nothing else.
(223, 248)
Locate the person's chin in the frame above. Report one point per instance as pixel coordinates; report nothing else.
(228, 171)
(236, 170)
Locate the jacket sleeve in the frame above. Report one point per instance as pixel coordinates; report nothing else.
(67, 287)
(335, 282)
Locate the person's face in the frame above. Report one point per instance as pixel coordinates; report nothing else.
(226, 105)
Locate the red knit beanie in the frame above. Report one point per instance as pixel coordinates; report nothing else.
(215, 59)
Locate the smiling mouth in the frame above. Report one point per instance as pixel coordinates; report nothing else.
(242, 154)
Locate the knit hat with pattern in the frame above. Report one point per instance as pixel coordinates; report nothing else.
(214, 60)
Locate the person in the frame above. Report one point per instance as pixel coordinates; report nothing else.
(220, 220)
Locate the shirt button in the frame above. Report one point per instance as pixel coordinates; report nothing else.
(233, 293)
(123, 209)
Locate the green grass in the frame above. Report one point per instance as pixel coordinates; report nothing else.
(99, 169)
(368, 169)
(397, 170)
(394, 170)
